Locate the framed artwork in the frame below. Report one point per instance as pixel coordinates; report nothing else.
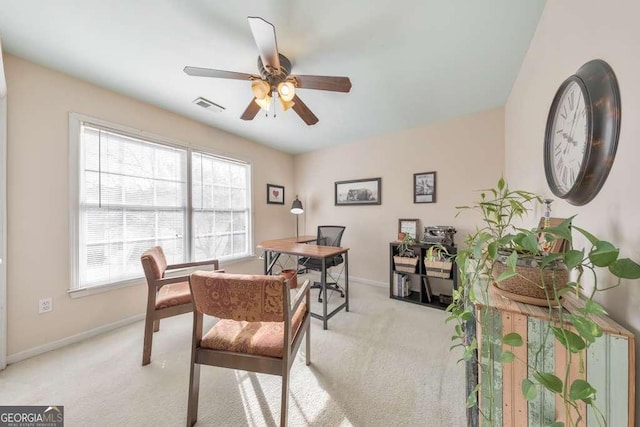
(424, 187)
(558, 246)
(275, 194)
(408, 226)
(358, 192)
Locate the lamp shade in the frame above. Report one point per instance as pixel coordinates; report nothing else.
(286, 104)
(296, 207)
(260, 89)
(264, 103)
(286, 90)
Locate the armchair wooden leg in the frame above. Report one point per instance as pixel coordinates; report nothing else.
(194, 391)
(285, 398)
(148, 340)
(156, 325)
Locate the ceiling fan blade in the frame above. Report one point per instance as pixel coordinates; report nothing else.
(304, 112)
(251, 111)
(335, 84)
(264, 33)
(221, 74)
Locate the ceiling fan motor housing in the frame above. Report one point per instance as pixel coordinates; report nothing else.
(275, 76)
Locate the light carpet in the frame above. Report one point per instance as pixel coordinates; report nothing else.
(384, 363)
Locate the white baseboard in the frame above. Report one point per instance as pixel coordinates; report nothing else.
(25, 354)
(356, 279)
(369, 282)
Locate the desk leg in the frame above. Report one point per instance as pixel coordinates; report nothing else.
(265, 261)
(346, 280)
(270, 260)
(324, 293)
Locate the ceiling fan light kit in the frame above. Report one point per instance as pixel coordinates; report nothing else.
(286, 91)
(286, 104)
(275, 78)
(261, 89)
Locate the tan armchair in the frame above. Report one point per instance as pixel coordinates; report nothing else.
(260, 329)
(166, 296)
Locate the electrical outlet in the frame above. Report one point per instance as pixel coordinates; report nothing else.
(45, 305)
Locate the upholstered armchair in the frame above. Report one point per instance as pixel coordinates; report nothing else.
(166, 296)
(260, 328)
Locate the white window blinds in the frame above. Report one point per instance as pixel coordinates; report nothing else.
(134, 192)
(220, 198)
(132, 197)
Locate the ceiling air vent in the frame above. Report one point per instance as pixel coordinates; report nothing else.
(211, 106)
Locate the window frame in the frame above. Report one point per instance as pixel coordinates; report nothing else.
(75, 123)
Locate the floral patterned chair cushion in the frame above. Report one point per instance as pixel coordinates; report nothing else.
(252, 298)
(250, 308)
(173, 294)
(259, 338)
(156, 259)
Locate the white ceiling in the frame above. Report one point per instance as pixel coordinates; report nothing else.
(411, 62)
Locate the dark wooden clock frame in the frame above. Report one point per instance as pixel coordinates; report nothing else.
(602, 107)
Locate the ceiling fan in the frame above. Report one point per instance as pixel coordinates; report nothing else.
(275, 79)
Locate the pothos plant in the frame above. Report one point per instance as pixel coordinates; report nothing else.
(500, 209)
(405, 247)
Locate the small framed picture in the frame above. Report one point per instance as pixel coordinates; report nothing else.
(358, 192)
(424, 187)
(275, 194)
(556, 246)
(408, 226)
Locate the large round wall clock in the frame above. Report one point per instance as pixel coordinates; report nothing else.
(582, 132)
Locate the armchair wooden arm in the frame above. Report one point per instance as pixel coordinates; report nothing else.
(303, 291)
(213, 262)
(168, 280)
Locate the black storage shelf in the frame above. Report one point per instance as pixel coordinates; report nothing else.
(421, 297)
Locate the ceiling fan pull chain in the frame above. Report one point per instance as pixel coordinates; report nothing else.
(273, 99)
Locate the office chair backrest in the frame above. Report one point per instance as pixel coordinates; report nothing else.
(330, 235)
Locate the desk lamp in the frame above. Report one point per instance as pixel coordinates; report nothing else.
(296, 209)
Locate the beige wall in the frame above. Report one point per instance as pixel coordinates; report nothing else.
(39, 102)
(466, 153)
(570, 33)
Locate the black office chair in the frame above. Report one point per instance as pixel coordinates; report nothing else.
(328, 235)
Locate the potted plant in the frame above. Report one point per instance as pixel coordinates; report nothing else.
(406, 260)
(438, 262)
(496, 251)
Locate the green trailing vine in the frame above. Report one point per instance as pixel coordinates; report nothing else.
(499, 209)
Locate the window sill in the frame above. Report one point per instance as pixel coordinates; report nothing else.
(232, 261)
(93, 290)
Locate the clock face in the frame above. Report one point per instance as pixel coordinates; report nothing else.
(569, 138)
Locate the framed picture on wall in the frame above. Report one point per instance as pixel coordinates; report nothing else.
(275, 194)
(358, 192)
(408, 226)
(424, 187)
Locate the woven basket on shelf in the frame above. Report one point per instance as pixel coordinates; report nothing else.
(440, 269)
(405, 264)
(531, 281)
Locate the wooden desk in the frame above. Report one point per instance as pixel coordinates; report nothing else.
(300, 247)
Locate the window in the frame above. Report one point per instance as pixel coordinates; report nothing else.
(134, 192)
(220, 211)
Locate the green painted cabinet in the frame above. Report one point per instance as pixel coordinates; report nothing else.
(608, 365)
